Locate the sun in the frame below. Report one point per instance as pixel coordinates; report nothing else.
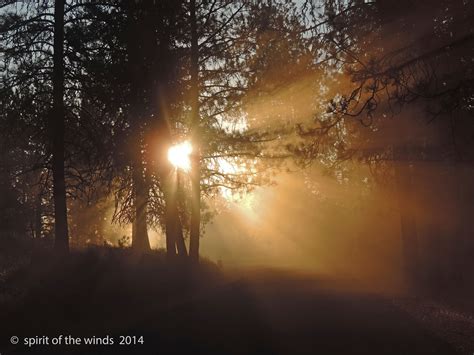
(179, 155)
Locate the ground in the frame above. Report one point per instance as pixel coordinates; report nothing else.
(210, 311)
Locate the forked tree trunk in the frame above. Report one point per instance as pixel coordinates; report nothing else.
(57, 128)
(174, 229)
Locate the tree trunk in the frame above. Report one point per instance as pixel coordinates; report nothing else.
(170, 215)
(180, 244)
(140, 241)
(135, 47)
(174, 229)
(196, 158)
(61, 243)
(195, 213)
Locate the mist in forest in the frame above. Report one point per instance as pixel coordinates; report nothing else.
(237, 177)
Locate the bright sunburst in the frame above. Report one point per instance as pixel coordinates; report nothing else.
(179, 155)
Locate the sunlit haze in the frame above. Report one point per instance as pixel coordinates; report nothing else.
(237, 177)
(179, 155)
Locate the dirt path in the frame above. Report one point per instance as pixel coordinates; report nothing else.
(281, 314)
(273, 313)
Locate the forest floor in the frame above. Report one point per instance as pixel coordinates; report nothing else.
(182, 310)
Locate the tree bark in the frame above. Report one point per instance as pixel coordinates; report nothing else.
(136, 43)
(61, 243)
(196, 158)
(170, 215)
(140, 241)
(180, 244)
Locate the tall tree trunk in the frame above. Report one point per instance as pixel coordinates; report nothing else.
(171, 211)
(57, 127)
(136, 43)
(180, 244)
(196, 158)
(173, 227)
(408, 228)
(140, 240)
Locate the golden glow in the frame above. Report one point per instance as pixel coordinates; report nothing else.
(228, 166)
(179, 155)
